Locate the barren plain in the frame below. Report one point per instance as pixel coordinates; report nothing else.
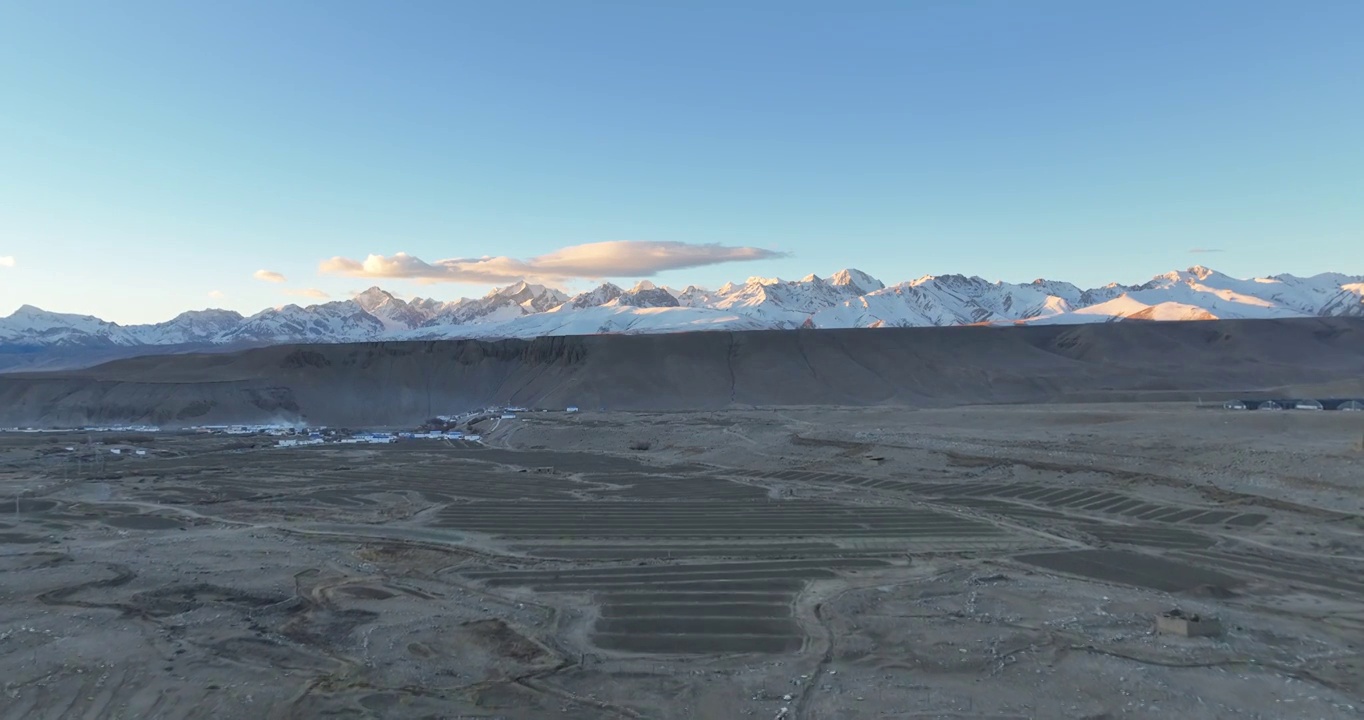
(806, 562)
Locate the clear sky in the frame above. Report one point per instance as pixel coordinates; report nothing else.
(152, 153)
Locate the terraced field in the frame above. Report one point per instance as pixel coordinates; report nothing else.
(1024, 500)
(687, 559)
(719, 562)
(454, 580)
(677, 559)
(709, 520)
(690, 608)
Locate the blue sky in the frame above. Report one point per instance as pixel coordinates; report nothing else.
(152, 153)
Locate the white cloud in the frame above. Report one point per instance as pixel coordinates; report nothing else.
(268, 276)
(215, 294)
(7, 261)
(618, 258)
(309, 293)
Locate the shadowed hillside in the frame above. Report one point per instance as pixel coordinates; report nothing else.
(402, 382)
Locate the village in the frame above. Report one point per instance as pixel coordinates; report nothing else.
(456, 427)
(441, 427)
(1340, 404)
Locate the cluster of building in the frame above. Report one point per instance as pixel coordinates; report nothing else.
(373, 438)
(1341, 404)
(274, 429)
(87, 429)
(439, 428)
(295, 442)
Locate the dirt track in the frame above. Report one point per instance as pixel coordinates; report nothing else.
(941, 563)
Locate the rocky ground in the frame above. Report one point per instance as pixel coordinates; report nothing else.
(994, 562)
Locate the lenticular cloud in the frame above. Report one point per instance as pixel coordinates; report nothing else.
(619, 258)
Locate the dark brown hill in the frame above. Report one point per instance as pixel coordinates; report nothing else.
(399, 383)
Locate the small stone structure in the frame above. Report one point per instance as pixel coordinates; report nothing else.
(1177, 622)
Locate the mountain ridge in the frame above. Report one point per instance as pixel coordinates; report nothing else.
(847, 299)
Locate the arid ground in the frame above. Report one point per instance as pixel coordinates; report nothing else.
(992, 562)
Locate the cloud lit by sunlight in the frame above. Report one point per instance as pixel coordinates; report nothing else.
(620, 258)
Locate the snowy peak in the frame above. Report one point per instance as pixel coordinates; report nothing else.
(1201, 272)
(374, 297)
(856, 280)
(596, 297)
(522, 291)
(31, 325)
(391, 312)
(644, 294)
(694, 296)
(315, 323)
(1349, 302)
(194, 326)
(1193, 276)
(535, 298)
(848, 298)
(650, 297)
(28, 314)
(210, 316)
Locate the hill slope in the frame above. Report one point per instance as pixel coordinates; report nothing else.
(404, 382)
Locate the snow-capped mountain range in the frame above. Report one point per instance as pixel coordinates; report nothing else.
(847, 299)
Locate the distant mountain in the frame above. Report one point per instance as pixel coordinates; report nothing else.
(846, 299)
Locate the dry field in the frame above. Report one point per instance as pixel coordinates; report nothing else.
(994, 562)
